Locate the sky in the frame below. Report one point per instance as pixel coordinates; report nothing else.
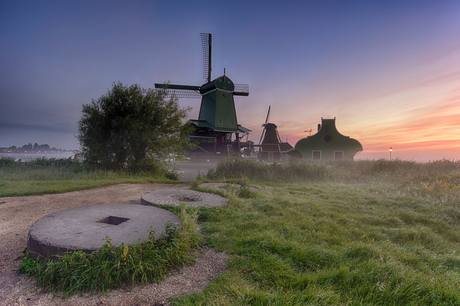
(388, 71)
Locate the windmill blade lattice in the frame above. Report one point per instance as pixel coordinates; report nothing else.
(206, 41)
(183, 93)
(180, 91)
(241, 90)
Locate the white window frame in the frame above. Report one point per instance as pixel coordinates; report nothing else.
(316, 151)
(343, 154)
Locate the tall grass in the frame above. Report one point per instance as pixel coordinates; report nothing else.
(240, 168)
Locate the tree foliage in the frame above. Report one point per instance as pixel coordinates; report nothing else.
(132, 128)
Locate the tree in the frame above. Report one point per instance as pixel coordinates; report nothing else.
(27, 147)
(132, 128)
(44, 147)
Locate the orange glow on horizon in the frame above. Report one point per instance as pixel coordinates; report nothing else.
(435, 128)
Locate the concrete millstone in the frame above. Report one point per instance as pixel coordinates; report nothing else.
(86, 228)
(175, 197)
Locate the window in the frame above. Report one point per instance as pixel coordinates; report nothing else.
(338, 154)
(316, 154)
(219, 121)
(232, 123)
(230, 149)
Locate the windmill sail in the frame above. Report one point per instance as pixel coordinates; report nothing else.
(206, 41)
(268, 115)
(180, 91)
(241, 90)
(264, 125)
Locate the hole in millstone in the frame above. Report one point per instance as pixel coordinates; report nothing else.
(189, 198)
(113, 220)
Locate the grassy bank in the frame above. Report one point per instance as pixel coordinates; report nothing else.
(45, 176)
(367, 233)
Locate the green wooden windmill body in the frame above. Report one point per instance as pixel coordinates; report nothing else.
(218, 106)
(217, 120)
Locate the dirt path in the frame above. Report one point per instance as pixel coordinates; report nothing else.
(17, 215)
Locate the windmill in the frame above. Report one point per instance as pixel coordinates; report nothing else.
(270, 144)
(217, 120)
(270, 134)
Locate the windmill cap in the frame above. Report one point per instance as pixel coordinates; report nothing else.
(222, 83)
(270, 126)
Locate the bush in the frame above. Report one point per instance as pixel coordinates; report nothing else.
(7, 162)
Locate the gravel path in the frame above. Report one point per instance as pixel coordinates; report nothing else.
(17, 215)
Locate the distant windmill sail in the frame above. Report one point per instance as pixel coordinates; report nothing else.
(264, 125)
(268, 114)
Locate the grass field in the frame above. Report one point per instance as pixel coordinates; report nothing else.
(340, 233)
(362, 233)
(45, 176)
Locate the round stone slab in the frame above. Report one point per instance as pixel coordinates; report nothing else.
(175, 197)
(86, 228)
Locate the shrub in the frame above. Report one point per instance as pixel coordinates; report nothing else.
(7, 162)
